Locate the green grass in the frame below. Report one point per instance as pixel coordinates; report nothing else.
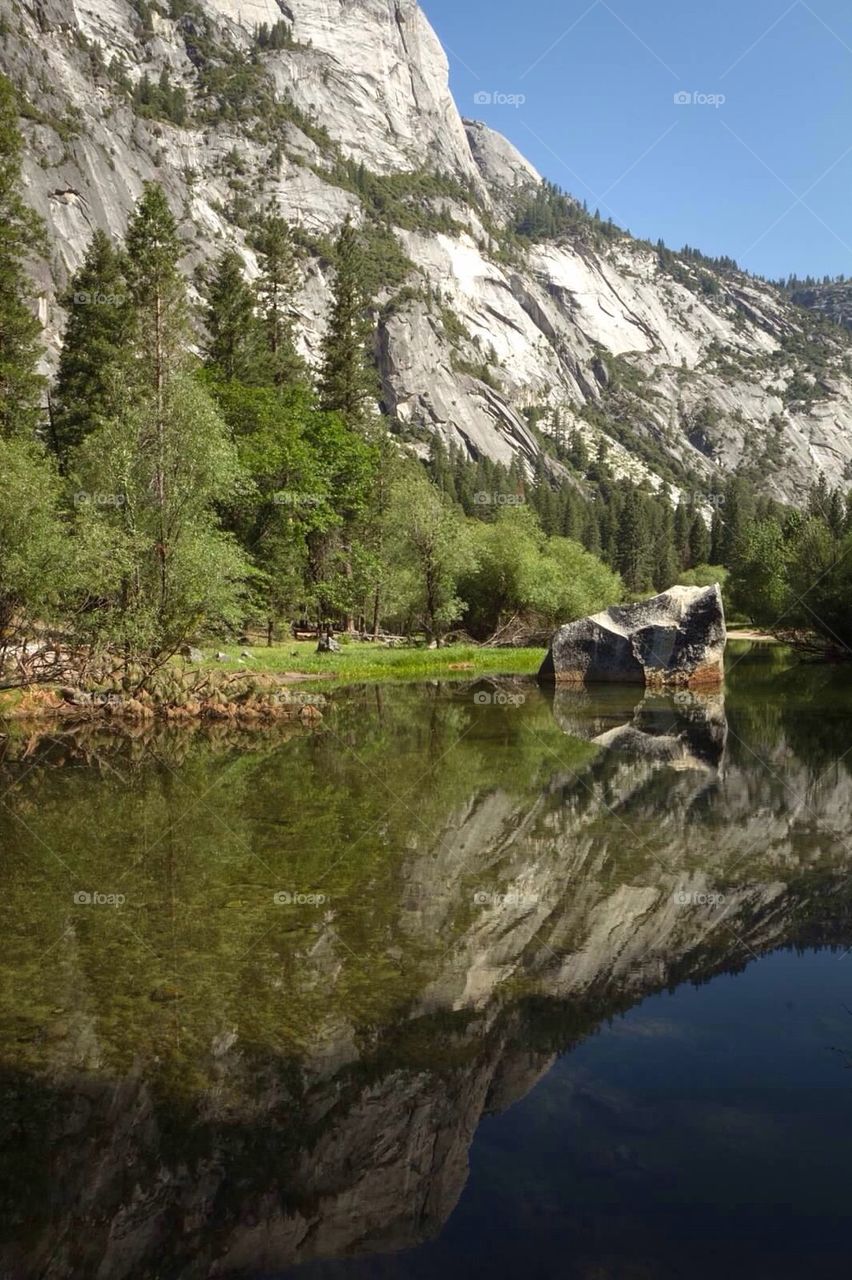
(365, 661)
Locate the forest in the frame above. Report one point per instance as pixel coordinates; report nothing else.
(186, 474)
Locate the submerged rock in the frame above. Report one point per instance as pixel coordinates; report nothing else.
(676, 639)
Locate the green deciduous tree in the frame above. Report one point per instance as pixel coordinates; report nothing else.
(34, 561)
(430, 542)
(149, 483)
(521, 572)
(759, 582)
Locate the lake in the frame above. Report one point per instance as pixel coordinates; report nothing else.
(475, 979)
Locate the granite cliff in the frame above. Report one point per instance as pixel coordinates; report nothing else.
(485, 336)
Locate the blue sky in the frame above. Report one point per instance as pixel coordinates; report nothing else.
(764, 176)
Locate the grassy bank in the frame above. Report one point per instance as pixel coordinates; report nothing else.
(365, 661)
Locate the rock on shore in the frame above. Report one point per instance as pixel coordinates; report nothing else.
(676, 639)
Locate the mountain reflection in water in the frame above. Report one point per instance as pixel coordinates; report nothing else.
(259, 993)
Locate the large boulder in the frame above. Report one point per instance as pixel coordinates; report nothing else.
(676, 639)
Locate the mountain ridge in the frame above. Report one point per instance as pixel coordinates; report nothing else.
(495, 331)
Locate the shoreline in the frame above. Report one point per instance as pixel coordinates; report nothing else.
(261, 688)
(746, 633)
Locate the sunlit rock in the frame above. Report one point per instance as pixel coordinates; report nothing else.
(674, 640)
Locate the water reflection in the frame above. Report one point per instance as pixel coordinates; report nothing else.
(335, 952)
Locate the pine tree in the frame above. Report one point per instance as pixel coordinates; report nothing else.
(347, 383)
(162, 335)
(95, 347)
(157, 291)
(666, 566)
(276, 290)
(699, 541)
(236, 346)
(21, 233)
(633, 553)
(835, 513)
(578, 454)
(682, 527)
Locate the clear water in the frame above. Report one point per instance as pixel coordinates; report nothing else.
(471, 982)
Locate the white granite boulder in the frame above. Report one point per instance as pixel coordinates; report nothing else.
(674, 640)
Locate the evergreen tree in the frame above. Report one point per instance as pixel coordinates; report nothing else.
(717, 533)
(347, 383)
(836, 513)
(157, 291)
(276, 290)
(21, 233)
(95, 347)
(236, 346)
(682, 530)
(166, 568)
(578, 454)
(699, 541)
(665, 562)
(166, 464)
(633, 553)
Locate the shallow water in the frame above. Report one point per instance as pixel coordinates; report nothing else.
(474, 980)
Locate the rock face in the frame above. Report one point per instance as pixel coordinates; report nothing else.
(676, 639)
(712, 368)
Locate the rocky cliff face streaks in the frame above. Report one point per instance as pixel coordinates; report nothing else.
(708, 370)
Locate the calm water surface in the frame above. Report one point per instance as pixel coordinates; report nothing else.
(471, 981)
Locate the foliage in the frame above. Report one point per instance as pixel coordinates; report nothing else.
(21, 233)
(33, 560)
(236, 345)
(519, 570)
(160, 101)
(545, 212)
(347, 383)
(152, 484)
(95, 346)
(431, 545)
(276, 290)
